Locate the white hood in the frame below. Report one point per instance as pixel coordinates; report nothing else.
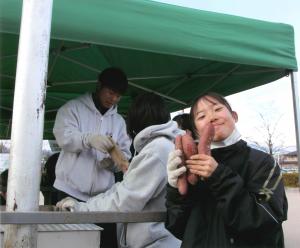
(169, 130)
(87, 99)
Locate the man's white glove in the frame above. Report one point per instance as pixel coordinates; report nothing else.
(173, 167)
(100, 142)
(68, 204)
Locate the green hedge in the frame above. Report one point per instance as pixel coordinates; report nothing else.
(291, 179)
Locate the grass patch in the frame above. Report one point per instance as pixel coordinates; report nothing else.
(290, 179)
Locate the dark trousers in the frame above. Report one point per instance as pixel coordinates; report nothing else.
(108, 235)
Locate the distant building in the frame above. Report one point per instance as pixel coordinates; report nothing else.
(289, 161)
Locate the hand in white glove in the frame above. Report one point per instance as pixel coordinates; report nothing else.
(68, 204)
(173, 167)
(100, 142)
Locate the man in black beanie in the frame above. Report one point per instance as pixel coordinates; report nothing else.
(86, 129)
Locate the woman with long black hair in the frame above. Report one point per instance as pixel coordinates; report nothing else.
(143, 185)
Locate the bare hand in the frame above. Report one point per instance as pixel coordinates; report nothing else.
(201, 165)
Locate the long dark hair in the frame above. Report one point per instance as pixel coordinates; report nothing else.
(146, 110)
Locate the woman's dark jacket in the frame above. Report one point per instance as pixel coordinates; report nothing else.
(242, 204)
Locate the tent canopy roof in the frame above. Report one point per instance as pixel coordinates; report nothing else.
(177, 52)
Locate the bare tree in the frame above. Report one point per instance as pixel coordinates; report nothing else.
(272, 141)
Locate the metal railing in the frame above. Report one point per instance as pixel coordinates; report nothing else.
(50, 215)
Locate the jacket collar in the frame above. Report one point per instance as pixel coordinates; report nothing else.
(233, 138)
(87, 99)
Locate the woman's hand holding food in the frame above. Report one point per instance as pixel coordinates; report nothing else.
(202, 165)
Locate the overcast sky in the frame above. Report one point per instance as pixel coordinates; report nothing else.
(273, 100)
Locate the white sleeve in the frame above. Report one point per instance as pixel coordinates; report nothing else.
(66, 130)
(145, 178)
(124, 141)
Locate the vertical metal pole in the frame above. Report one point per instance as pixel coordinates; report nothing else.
(28, 119)
(296, 103)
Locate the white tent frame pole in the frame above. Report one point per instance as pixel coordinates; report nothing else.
(28, 120)
(157, 93)
(296, 104)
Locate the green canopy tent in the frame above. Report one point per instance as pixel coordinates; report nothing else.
(174, 51)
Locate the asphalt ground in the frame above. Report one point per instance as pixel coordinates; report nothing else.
(291, 227)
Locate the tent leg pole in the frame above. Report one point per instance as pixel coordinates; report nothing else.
(296, 104)
(28, 120)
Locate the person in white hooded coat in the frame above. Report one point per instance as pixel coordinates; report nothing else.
(85, 129)
(144, 185)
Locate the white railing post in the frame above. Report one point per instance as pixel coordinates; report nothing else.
(28, 119)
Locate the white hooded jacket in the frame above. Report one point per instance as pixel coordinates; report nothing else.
(142, 189)
(78, 169)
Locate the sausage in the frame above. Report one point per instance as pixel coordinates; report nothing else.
(181, 182)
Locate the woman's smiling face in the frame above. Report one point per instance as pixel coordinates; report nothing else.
(208, 109)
